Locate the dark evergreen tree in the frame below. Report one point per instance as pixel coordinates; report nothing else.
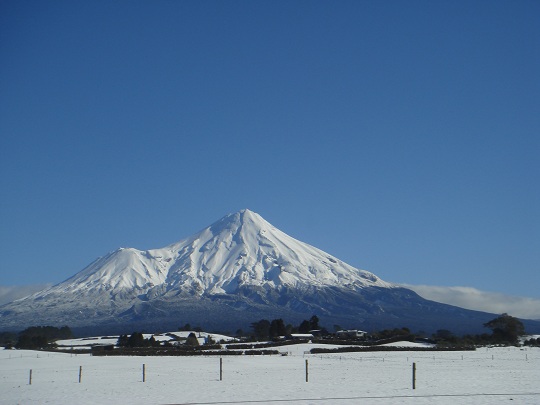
(506, 328)
(65, 333)
(8, 339)
(192, 340)
(261, 329)
(137, 340)
(37, 337)
(304, 327)
(31, 342)
(314, 323)
(122, 341)
(532, 342)
(391, 333)
(24, 342)
(50, 333)
(277, 328)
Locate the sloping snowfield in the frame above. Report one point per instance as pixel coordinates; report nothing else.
(485, 376)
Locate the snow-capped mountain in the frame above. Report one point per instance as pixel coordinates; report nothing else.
(236, 271)
(240, 250)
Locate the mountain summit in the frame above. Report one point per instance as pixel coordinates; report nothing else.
(242, 249)
(236, 271)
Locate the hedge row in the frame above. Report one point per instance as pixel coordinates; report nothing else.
(173, 352)
(244, 346)
(389, 349)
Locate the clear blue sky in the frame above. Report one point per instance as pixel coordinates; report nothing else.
(402, 137)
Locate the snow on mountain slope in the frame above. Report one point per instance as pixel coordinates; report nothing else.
(244, 249)
(122, 269)
(241, 249)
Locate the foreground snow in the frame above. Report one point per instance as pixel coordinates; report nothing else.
(486, 376)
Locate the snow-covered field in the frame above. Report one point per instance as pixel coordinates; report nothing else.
(485, 376)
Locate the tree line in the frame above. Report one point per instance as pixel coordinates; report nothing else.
(35, 337)
(265, 329)
(137, 339)
(505, 330)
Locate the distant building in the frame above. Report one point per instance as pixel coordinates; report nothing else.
(351, 334)
(298, 336)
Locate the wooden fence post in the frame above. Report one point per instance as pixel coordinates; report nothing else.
(414, 376)
(307, 371)
(221, 369)
(80, 374)
(30, 378)
(144, 372)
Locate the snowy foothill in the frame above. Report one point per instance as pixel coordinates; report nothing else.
(484, 376)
